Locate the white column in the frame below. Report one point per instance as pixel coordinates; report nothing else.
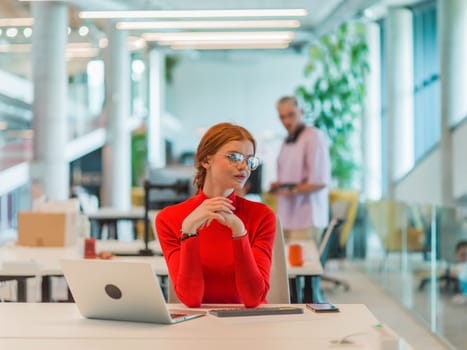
(452, 30)
(399, 89)
(372, 116)
(50, 166)
(156, 145)
(116, 180)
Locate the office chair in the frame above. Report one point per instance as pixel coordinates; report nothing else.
(278, 283)
(279, 292)
(390, 220)
(172, 297)
(447, 280)
(179, 187)
(339, 212)
(449, 231)
(351, 198)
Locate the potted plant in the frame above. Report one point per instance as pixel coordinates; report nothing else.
(334, 93)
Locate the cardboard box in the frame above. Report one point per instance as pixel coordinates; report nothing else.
(43, 229)
(50, 224)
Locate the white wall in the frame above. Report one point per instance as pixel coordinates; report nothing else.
(423, 184)
(237, 87)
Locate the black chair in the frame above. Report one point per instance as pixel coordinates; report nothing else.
(447, 281)
(312, 292)
(181, 189)
(449, 231)
(339, 213)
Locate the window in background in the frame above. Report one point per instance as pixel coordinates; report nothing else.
(427, 113)
(139, 85)
(78, 113)
(96, 87)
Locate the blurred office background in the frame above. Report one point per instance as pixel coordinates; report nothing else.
(95, 104)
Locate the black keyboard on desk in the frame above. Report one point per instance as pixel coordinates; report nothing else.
(261, 311)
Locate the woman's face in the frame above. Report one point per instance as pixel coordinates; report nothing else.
(223, 170)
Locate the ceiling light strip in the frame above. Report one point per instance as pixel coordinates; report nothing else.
(15, 47)
(218, 36)
(195, 13)
(208, 24)
(79, 45)
(223, 42)
(85, 53)
(70, 47)
(230, 46)
(16, 22)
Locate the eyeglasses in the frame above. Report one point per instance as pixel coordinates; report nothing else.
(236, 158)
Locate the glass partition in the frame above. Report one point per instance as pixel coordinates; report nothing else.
(411, 253)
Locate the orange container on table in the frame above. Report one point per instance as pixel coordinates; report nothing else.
(90, 248)
(296, 254)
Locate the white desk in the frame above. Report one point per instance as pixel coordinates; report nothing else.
(312, 264)
(46, 263)
(20, 263)
(60, 326)
(48, 258)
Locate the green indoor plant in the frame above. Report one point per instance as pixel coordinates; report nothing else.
(171, 61)
(334, 93)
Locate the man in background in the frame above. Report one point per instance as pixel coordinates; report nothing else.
(461, 251)
(303, 175)
(461, 267)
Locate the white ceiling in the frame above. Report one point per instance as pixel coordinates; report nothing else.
(321, 13)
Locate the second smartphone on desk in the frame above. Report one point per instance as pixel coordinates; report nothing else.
(324, 307)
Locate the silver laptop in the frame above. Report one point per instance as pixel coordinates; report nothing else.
(120, 290)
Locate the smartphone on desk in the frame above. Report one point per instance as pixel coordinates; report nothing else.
(324, 307)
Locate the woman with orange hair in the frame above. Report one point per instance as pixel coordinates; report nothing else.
(218, 245)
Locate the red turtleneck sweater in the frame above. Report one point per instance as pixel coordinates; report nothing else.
(213, 268)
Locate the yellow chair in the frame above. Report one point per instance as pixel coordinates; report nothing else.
(270, 200)
(388, 218)
(350, 197)
(137, 200)
(137, 196)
